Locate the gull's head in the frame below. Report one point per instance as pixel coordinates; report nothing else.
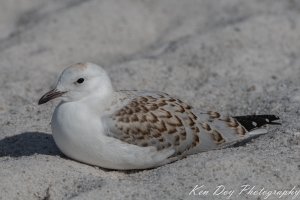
(80, 81)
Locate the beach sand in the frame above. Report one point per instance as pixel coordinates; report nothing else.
(237, 57)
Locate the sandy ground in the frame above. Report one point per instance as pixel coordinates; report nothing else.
(234, 56)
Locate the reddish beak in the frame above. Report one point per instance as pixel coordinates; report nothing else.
(52, 94)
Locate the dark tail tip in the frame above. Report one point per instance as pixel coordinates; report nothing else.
(251, 122)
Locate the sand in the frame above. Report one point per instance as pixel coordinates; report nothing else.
(234, 56)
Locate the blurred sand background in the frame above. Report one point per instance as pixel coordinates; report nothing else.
(234, 56)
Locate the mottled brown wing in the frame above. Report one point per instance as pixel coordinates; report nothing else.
(159, 120)
(156, 120)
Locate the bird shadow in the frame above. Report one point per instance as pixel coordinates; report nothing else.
(27, 144)
(31, 143)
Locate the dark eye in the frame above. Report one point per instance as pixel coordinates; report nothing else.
(80, 80)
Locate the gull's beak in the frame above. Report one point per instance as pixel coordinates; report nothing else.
(52, 94)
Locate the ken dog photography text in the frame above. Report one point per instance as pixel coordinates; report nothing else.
(244, 190)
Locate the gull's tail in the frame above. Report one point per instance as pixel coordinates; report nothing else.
(252, 122)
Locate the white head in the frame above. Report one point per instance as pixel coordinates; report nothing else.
(80, 81)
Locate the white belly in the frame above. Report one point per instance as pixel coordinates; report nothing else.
(80, 135)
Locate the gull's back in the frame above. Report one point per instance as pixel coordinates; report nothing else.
(146, 118)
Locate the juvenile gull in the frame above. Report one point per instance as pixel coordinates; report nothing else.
(126, 130)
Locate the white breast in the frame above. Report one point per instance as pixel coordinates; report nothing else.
(79, 134)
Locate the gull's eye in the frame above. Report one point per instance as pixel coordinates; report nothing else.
(80, 80)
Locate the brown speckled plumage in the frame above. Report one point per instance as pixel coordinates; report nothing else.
(159, 120)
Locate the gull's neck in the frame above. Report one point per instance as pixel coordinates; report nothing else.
(99, 101)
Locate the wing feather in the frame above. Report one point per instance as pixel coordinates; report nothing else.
(155, 119)
(164, 122)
